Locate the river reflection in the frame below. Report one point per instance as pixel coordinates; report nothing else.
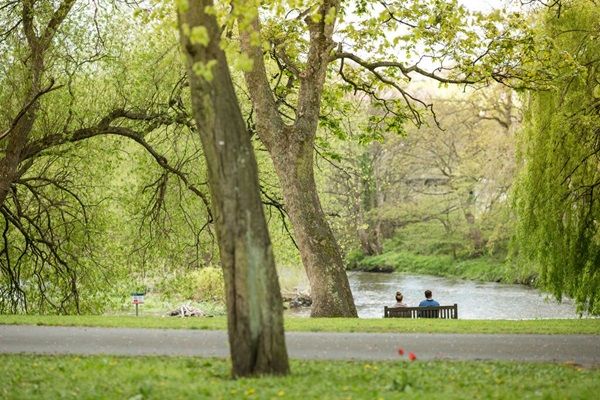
(476, 300)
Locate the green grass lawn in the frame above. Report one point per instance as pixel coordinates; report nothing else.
(563, 326)
(137, 378)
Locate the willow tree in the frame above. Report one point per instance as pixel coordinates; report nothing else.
(62, 84)
(557, 199)
(38, 43)
(254, 303)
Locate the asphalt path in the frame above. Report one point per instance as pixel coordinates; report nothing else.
(581, 349)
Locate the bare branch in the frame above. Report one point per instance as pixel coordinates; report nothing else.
(271, 201)
(27, 106)
(269, 121)
(372, 66)
(57, 18)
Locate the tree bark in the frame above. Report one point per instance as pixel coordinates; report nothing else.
(254, 304)
(330, 290)
(292, 152)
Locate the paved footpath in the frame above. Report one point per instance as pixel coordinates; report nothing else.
(582, 349)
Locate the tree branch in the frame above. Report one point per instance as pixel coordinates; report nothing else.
(27, 106)
(372, 66)
(57, 18)
(104, 127)
(269, 121)
(313, 77)
(29, 30)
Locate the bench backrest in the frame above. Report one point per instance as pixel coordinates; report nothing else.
(446, 312)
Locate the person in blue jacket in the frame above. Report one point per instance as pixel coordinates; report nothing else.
(428, 302)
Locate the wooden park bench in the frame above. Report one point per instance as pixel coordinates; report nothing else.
(446, 312)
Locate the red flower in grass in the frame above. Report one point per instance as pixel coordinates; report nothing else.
(411, 356)
(401, 351)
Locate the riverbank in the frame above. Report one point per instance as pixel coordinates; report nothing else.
(484, 268)
(589, 326)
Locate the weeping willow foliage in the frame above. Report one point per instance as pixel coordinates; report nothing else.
(557, 195)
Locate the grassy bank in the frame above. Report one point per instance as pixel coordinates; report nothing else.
(565, 326)
(102, 377)
(482, 268)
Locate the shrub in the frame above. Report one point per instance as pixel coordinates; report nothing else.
(209, 285)
(353, 258)
(205, 284)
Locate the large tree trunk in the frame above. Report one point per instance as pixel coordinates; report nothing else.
(330, 290)
(291, 148)
(254, 304)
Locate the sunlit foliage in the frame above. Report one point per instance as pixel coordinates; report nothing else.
(557, 199)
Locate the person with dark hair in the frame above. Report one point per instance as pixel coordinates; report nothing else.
(428, 302)
(399, 298)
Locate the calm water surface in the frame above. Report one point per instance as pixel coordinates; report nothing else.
(476, 300)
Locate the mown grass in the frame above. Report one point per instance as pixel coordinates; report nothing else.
(107, 377)
(483, 268)
(381, 325)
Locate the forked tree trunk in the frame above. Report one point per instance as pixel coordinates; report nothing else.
(330, 290)
(292, 152)
(254, 304)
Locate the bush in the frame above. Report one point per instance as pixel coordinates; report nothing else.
(205, 284)
(354, 258)
(209, 285)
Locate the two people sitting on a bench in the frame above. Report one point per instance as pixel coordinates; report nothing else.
(428, 308)
(428, 302)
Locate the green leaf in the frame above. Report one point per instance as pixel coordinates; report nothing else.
(199, 35)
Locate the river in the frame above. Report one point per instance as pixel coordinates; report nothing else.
(476, 300)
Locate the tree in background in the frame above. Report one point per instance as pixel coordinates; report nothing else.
(254, 304)
(434, 190)
(557, 198)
